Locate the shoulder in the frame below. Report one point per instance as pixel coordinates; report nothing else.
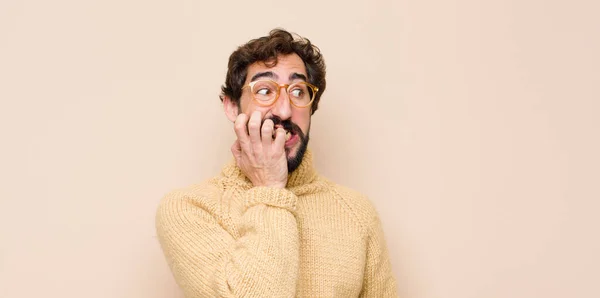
(358, 204)
(203, 196)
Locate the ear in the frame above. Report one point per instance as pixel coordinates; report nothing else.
(231, 108)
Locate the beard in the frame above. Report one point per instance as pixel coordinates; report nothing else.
(293, 162)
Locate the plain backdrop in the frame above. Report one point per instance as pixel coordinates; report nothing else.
(473, 126)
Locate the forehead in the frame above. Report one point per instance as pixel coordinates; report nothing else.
(286, 65)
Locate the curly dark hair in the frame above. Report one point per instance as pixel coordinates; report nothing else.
(266, 49)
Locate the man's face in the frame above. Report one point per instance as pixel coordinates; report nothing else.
(296, 121)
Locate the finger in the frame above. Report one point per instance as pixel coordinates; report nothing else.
(254, 130)
(267, 133)
(241, 129)
(236, 150)
(279, 143)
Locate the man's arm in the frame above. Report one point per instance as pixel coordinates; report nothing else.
(208, 262)
(205, 259)
(379, 279)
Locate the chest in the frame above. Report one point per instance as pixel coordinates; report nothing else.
(332, 248)
(332, 252)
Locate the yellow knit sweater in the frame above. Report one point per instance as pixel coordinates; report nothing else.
(226, 238)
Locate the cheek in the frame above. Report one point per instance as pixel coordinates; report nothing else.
(248, 109)
(247, 106)
(244, 105)
(302, 119)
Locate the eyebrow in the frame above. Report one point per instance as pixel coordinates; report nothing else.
(296, 75)
(267, 74)
(272, 75)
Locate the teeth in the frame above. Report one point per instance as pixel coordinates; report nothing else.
(288, 135)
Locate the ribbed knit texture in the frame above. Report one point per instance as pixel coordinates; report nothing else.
(226, 238)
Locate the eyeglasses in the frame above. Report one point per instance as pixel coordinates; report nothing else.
(266, 92)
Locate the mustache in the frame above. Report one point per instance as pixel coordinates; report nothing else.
(287, 125)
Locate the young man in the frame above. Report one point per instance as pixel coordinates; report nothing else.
(268, 225)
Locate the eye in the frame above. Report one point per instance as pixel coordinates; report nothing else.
(297, 92)
(263, 91)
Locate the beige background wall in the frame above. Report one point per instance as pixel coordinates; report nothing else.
(473, 127)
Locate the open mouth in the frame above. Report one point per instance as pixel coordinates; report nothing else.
(293, 133)
(288, 134)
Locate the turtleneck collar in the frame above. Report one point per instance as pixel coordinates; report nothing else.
(304, 174)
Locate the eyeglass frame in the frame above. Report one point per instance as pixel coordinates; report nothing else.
(314, 88)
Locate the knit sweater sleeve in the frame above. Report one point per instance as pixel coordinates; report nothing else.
(379, 280)
(207, 261)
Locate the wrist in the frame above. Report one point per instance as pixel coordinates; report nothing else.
(280, 185)
(271, 196)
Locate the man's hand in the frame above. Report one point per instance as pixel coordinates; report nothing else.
(261, 158)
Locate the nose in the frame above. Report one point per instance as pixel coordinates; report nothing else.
(282, 108)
